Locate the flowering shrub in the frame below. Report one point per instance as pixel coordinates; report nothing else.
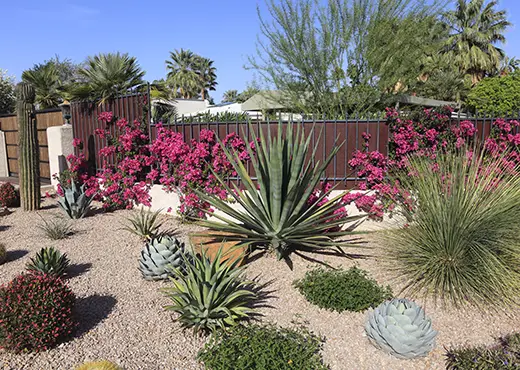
(183, 168)
(8, 195)
(35, 312)
(425, 134)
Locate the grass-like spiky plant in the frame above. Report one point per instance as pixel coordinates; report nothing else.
(463, 244)
(49, 261)
(144, 223)
(278, 214)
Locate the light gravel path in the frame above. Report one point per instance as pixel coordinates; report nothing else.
(122, 317)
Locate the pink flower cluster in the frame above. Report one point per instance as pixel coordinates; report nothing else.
(185, 168)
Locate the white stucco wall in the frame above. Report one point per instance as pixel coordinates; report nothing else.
(190, 106)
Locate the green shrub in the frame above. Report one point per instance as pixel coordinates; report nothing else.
(210, 295)
(505, 356)
(340, 290)
(462, 245)
(256, 347)
(3, 253)
(144, 223)
(56, 228)
(496, 95)
(9, 196)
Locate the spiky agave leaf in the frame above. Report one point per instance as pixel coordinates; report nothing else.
(278, 214)
(160, 256)
(49, 261)
(75, 202)
(210, 294)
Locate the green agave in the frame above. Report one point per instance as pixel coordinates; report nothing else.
(401, 328)
(160, 256)
(49, 261)
(145, 224)
(278, 215)
(74, 201)
(210, 294)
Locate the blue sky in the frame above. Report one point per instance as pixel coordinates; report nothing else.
(223, 30)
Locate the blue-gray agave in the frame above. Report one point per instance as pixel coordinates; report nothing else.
(401, 328)
(160, 256)
(74, 201)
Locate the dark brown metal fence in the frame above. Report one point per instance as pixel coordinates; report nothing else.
(324, 133)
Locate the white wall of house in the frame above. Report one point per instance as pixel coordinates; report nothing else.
(223, 108)
(190, 106)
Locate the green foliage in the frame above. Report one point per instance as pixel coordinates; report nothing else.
(340, 290)
(49, 261)
(144, 223)
(9, 196)
(210, 295)
(496, 95)
(256, 347)
(105, 76)
(99, 365)
(230, 96)
(278, 216)
(401, 328)
(462, 243)
(3, 254)
(160, 256)
(505, 356)
(28, 147)
(74, 201)
(312, 51)
(45, 79)
(7, 96)
(56, 228)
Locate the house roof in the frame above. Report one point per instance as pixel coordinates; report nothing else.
(264, 100)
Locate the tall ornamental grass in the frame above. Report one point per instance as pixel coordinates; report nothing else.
(463, 244)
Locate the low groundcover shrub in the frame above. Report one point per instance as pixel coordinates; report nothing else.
(340, 290)
(258, 347)
(35, 312)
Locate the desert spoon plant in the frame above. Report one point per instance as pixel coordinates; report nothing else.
(278, 215)
(29, 159)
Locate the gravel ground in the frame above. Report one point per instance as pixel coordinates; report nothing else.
(122, 318)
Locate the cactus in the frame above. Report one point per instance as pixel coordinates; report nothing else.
(99, 365)
(49, 261)
(3, 254)
(74, 201)
(401, 328)
(29, 157)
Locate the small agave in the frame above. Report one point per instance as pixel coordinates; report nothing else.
(49, 261)
(401, 328)
(74, 201)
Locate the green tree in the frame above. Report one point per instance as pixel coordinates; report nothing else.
(207, 75)
(496, 95)
(316, 54)
(182, 73)
(251, 90)
(106, 76)
(476, 29)
(7, 96)
(230, 96)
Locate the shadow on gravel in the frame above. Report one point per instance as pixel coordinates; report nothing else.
(4, 227)
(77, 269)
(49, 206)
(16, 254)
(91, 311)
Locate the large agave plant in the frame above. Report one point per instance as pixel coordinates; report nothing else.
(75, 202)
(49, 261)
(210, 294)
(160, 257)
(278, 215)
(401, 328)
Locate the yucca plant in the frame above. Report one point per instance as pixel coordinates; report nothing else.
(75, 202)
(56, 228)
(278, 215)
(463, 244)
(144, 223)
(209, 295)
(49, 261)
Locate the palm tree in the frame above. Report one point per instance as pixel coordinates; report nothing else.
(45, 78)
(476, 28)
(182, 73)
(230, 96)
(207, 76)
(108, 75)
(509, 65)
